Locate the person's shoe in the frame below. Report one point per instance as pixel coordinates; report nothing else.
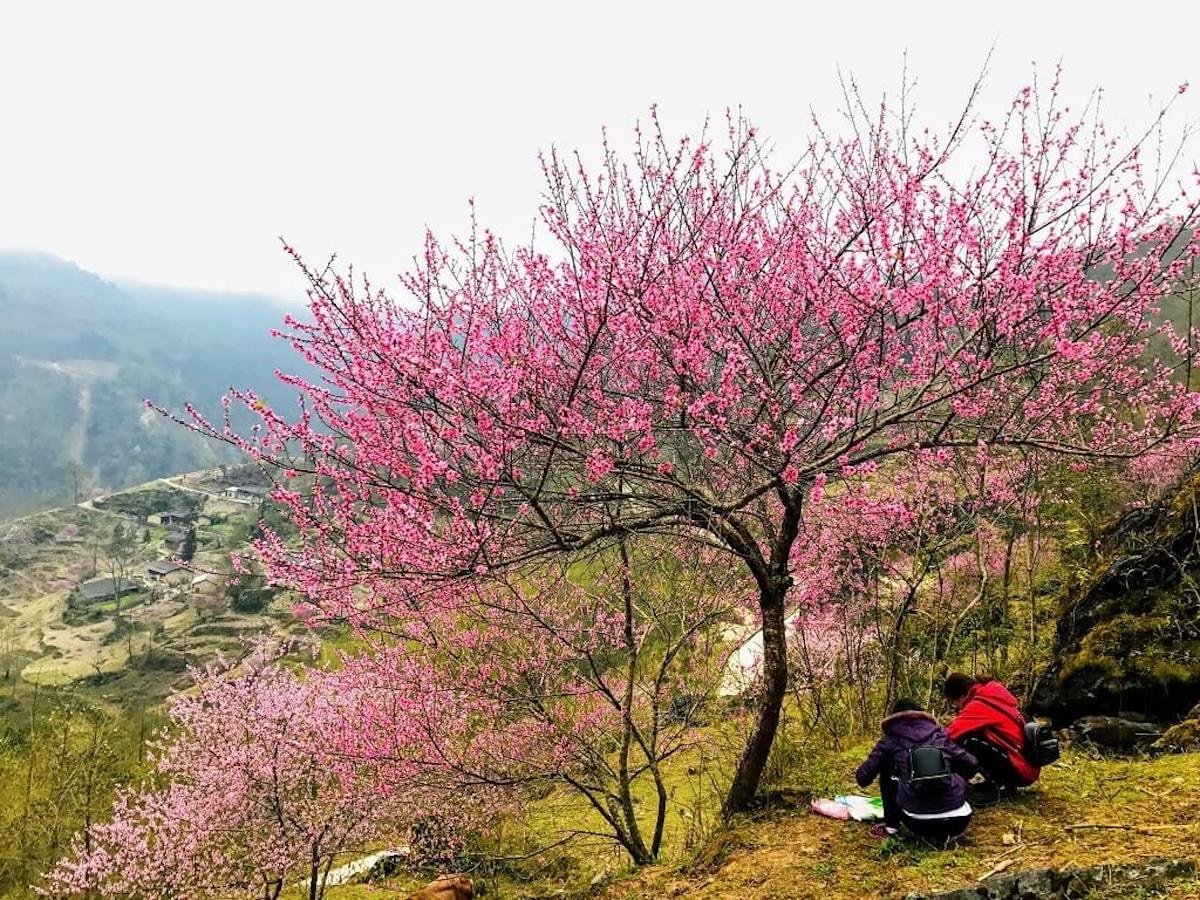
(988, 793)
(882, 832)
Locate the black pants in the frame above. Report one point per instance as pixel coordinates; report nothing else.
(994, 764)
(938, 832)
(888, 793)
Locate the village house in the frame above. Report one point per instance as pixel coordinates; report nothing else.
(171, 517)
(207, 584)
(166, 571)
(242, 493)
(100, 589)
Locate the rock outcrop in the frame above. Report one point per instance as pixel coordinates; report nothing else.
(1117, 733)
(1040, 884)
(1128, 640)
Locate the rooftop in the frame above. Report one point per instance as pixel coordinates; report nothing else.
(257, 489)
(102, 588)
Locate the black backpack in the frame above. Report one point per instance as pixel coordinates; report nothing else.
(928, 770)
(1041, 746)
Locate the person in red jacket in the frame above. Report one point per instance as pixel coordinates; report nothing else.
(990, 727)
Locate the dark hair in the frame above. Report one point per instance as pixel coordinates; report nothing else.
(904, 704)
(957, 685)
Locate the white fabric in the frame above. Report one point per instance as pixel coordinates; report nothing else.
(964, 810)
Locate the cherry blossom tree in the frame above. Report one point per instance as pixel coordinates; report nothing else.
(250, 794)
(704, 344)
(589, 677)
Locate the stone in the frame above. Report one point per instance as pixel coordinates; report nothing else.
(1117, 733)
(1126, 634)
(1181, 738)
(1047, 884)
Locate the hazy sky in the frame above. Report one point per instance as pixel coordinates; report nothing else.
(173, 142)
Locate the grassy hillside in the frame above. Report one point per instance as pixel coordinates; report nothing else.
(1085, 812)
(139, 652)
(82, 682)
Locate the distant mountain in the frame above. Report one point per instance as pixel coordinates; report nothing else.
(78, 354)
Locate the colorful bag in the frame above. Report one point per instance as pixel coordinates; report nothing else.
(830, 809)
(862, 809)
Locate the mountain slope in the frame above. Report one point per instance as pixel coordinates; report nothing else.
(78, 355)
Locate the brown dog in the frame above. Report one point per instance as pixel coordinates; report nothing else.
(447, 887)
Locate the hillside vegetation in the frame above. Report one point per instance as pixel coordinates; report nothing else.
(82, 683)
(78, 355)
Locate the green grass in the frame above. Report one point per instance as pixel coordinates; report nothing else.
(129, 601)
(805, 856)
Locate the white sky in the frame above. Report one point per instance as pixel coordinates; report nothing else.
(171, 142)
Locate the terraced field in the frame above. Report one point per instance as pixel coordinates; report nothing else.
(44, 556)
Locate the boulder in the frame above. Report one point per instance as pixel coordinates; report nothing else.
(1117, 733)
(1181, 738)
(387, 864)
(1128, 637)
(446, 887)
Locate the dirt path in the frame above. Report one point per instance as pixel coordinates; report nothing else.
(77, 437)
(179, 486)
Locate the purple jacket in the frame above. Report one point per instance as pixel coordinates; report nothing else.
(889, 757)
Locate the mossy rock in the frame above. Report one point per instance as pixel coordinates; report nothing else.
(1128, 638)
(1181, 738)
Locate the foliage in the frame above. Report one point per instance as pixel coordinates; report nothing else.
(141, 503)
(189, 545)
(62, 757)
(249, 594)
(250, 793)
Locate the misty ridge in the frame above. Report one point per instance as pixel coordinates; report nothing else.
(79, 354)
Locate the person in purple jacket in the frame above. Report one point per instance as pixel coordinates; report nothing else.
(927, 794)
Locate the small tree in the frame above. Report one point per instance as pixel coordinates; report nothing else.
(189, 545)
(119, 555)
(589, 678)
(710, 343)
(8, 646)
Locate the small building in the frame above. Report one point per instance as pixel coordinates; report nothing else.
(100, 589)
(243, 493)
(171, 517)
(165, 570)
(175, 540)
(207, 584)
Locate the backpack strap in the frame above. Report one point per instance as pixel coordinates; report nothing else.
(1018, 720)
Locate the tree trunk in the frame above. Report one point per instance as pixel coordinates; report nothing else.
(625, 783)
(774, 686)
(314, 877)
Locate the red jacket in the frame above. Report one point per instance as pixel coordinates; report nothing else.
(1003, 726)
